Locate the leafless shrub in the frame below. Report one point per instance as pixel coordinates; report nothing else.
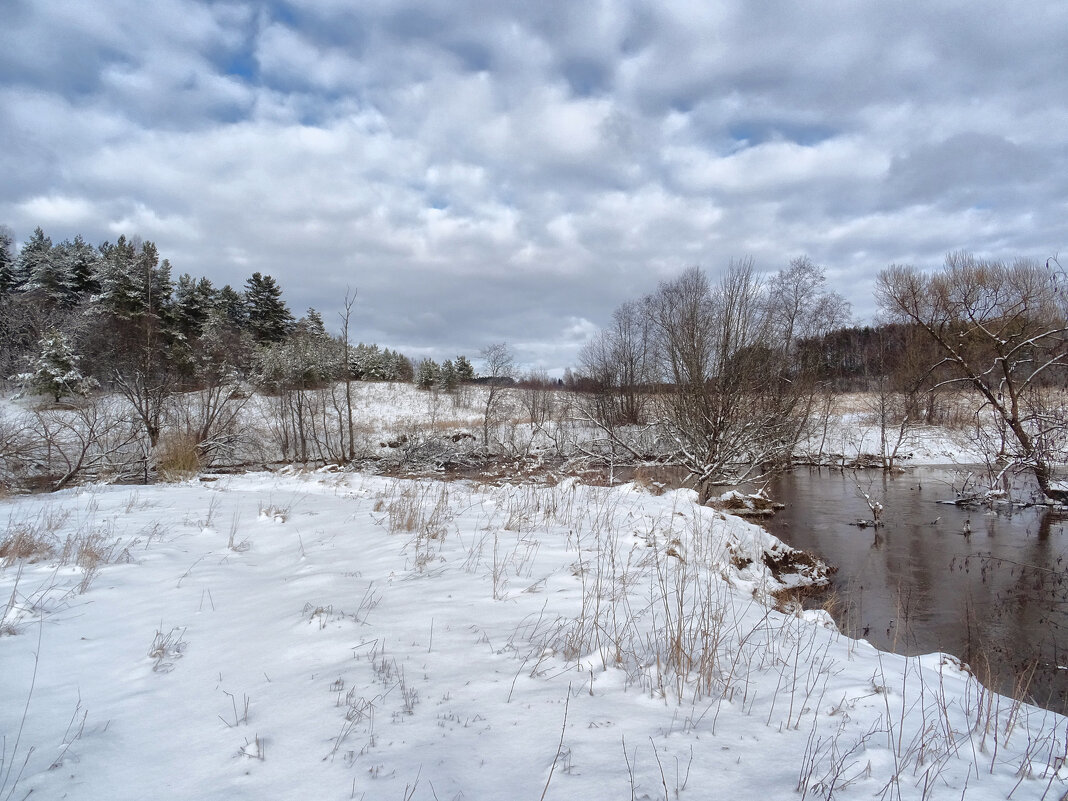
(92, 439)
(18, 450)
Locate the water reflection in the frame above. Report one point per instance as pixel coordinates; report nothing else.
(987, 586)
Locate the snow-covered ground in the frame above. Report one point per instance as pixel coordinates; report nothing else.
(849, 435)
(399, 423)
(337, 635)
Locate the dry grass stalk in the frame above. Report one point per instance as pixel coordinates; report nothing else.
(178, 457)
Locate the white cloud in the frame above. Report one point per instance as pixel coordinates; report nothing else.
(56, 210)
(485, 172)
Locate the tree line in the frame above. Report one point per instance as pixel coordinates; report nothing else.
(74, 316)
(723, 377)
(727, 378)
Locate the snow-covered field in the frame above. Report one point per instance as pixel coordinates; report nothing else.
(337, 635)
(851, 435)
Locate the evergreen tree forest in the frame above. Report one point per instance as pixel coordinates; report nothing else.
(118, 311)
(140, 371)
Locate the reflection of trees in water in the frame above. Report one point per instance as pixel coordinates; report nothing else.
(1015, 635)
(971, 594)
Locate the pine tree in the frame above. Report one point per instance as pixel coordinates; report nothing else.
(311, 325)
(389, 368)
(55, 371)
(465, 371)
(447, 377)
(38, 270)
(223, 348)
(403, 370)
(304, 360)
(269, 320)
(367, 363)
(427, 374)
(152, 279)
(192, 303)
(81, 264)
(7, 261)
(233, 307)
(119, 295)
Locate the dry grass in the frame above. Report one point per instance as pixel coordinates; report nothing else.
(32, 539)
(178, 457)
(419, 507)
(24, 541)
(38, 540)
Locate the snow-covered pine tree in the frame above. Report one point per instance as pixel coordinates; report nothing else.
(427, 374)
(465, 371)
(56, 372)
(231, 304)
(118, 296)
(404, 370)
(367, 363)
(37, 270)
(269, 319)
(389, 365)
(304, 360)
(193, 301)
(153, 280)
(447, 378)
(312, 326)
(223, 348)
(80, 262)
(7, 261)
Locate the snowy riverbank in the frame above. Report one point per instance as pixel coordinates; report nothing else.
(334, 635)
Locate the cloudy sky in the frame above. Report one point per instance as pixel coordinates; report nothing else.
(500, 171)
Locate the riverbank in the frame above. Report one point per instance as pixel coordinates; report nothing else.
(345, 635)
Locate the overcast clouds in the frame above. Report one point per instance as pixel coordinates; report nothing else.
(487, 171)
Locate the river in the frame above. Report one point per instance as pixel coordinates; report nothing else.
(989, 587)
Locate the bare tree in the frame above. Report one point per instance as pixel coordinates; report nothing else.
(801, 307)
(619, 363)
(499, 376)
(146, 380)
(346, 371)
(730, 409)
(1001, 329)
(539, 397)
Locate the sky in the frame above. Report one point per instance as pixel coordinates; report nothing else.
(482, 172)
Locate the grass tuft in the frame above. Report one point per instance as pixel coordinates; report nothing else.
(178, 457)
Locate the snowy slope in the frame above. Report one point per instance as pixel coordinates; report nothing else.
(335, 635)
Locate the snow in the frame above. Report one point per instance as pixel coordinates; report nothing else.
(851, 435)
(339, 635)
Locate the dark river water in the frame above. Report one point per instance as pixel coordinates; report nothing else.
(989, 587)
